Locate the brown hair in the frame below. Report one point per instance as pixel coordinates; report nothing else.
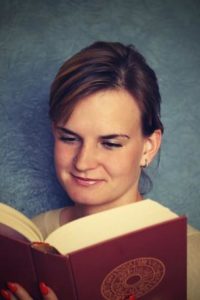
(103, 66)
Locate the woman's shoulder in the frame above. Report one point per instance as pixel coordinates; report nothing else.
(191, 231)
(193, 249)
(193, 236)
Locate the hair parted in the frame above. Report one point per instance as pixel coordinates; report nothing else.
(104, 66)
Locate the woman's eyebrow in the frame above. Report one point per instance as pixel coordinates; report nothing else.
(104, 137)
(67, 131)
(115, 136)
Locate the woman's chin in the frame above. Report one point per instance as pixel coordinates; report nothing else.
(87, 199)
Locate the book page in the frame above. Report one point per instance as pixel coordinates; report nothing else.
(108, 224)
(12, 233)
(19, 222)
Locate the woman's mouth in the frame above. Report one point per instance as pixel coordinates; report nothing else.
(86, 182)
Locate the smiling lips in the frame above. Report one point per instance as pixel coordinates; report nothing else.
(86, 182)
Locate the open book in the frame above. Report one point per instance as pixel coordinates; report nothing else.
(137, 249)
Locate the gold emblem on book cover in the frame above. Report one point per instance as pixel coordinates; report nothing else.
(138, 276)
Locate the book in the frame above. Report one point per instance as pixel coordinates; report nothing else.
(138, 248)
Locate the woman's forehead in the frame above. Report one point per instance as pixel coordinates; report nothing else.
(106, 111)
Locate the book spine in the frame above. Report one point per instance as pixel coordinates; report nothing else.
(55, 271)
(16, 265)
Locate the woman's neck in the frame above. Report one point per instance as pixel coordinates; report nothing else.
(86, 210)
(77, 211)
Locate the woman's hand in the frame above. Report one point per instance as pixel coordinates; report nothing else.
(17, 292)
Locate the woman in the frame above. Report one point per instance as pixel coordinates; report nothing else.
(105, 113)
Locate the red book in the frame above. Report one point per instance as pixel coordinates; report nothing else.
(147, 261)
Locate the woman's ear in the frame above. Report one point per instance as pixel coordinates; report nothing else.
(151, 147)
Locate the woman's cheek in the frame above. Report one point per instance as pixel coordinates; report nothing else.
(61, 152)
(116, 164)
(128, 162)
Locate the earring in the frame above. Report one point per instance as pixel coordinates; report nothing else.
(146, 164)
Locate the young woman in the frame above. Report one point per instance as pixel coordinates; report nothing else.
(105, 113)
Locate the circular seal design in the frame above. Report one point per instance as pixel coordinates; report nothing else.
(138, 276)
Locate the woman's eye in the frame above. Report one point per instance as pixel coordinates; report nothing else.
(111, 145)
(69, 140)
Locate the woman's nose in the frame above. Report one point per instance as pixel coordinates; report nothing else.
(85, 158)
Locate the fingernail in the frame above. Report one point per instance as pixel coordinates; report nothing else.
(12, 286)
(5, 295)
(44, 289)
(132, 297)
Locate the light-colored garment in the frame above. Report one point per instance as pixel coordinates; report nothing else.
(49, 221)
(193, 250)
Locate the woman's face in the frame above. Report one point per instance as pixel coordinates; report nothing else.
(100, 149)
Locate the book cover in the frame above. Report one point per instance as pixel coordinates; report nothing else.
(149, 263)
(16, 264)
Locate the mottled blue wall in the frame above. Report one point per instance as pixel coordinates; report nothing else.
(37, 36)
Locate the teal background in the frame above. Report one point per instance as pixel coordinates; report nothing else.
(37, 36)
